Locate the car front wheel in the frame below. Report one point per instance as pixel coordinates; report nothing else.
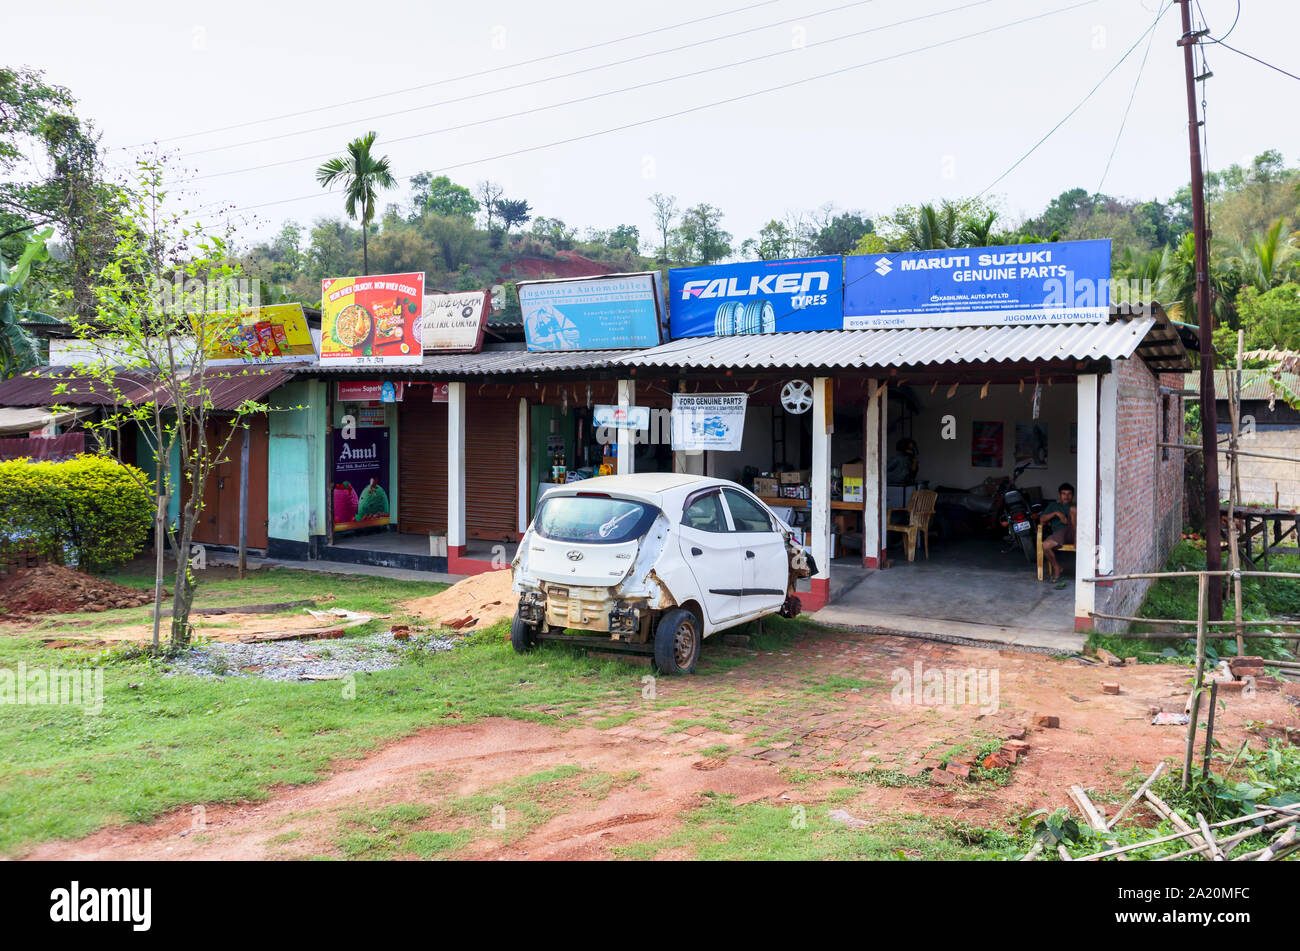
(523, 637)
(677, 642)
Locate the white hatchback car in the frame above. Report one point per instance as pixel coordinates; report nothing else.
(660, 560)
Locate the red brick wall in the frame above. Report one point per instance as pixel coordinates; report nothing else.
(1148, 483)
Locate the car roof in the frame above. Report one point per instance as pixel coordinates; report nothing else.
(645, 485)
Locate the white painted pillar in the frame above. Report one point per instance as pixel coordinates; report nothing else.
(871, 482)
(626, 437)
(1086, 533)
(523, 465)
(1107, 468)
(820, 541)
(455, 468)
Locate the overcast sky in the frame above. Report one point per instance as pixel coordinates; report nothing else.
(924, 123)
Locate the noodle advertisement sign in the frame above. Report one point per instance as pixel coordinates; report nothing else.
(372, 321)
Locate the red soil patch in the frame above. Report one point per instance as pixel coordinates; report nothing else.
(564, 264)
(54, 589)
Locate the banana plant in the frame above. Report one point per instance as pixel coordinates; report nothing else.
(19, 350)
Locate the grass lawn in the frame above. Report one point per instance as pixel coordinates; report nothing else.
(166, 741)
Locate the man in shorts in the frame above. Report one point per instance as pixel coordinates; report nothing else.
(1058, 521)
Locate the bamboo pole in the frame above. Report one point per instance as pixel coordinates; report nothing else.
(1202, 589)
(1157, 575)
(1209, 731)
(1234, 493)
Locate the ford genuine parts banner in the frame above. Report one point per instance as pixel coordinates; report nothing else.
(613, 312)
(756, 297)
(1060, 282)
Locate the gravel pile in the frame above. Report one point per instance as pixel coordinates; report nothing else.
(291, 660)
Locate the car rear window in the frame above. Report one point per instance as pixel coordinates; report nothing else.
(594, 519)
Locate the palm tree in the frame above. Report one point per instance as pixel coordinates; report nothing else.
(361, 174)
(1262, 260)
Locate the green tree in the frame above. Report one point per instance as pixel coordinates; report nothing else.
(19, 350)
(455, 238)
(441, 196)
(513, 211)
(700, 238)
(361, 174)
(841, 233)
(665, 213)
(168, 289)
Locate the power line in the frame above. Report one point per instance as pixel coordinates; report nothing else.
(1068, 115)
(463, 76)
(1256, 59)
(534, 82)
(709, 105)
(612, 92)
(1131, 96)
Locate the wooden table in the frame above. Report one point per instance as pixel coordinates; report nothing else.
(836, 505)
(1254, 522)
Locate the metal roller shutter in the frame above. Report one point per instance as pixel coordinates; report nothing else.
(421, 463)
(492, 469)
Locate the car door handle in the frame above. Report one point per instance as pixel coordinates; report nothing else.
(697, 551)
(749, 554)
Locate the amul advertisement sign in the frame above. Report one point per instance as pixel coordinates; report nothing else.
(277, 333)
(614, 312)
(1058, 282)
(361, 483)
(756, 297)
(372, 321)
(453, 323)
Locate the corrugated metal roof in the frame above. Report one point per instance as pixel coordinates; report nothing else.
(913, 346)
(228, 387)
(37, 388)
(487, 363)
(1254, 384)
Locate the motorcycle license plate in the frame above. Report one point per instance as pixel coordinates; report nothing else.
(1022, 527)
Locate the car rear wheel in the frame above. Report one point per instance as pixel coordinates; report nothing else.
(523, 637)
(677, 642)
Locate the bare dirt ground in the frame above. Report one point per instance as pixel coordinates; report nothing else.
(783, 727)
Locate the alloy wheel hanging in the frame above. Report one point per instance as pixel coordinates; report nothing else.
(797, 397)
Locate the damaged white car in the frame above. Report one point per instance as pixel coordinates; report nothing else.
(656, 562)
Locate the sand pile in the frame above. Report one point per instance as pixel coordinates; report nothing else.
(475, 603)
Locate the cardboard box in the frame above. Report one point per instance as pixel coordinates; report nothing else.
(797, 477)
(765, 486)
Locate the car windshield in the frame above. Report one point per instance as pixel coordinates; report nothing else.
(591, 518)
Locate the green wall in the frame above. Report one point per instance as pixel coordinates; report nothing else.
(297, 462)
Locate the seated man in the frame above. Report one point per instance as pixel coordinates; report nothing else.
(1058, 521)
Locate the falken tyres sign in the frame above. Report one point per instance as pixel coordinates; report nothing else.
(1060, 282)
(756, 297)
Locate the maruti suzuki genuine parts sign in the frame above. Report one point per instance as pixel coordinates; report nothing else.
(1060, 282)
(756, 297)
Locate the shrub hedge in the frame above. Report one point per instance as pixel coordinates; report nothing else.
(91, 512)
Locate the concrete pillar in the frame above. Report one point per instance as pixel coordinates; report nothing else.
(626, 437)
(872, 477)
(455, 471)
(1107, 467)
(820, 538)
(1087, 496)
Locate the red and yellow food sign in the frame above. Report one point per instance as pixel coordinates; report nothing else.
(371, 321)
(277, 333)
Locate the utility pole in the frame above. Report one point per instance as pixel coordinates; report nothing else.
(1205, 319)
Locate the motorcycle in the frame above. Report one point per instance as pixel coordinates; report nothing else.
(1016, 515)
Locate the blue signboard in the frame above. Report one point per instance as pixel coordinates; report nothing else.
(618, 311)
(756, 297)
(1060, 282)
